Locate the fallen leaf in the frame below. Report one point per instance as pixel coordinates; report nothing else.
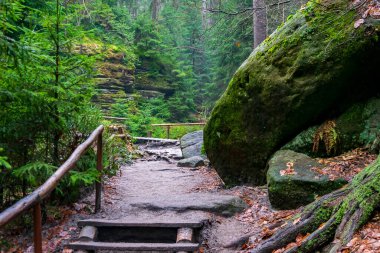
(358, 23)
(374, 12)
(322, 225)
(296, 221)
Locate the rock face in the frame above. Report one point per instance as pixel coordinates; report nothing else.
(191, 144)
(358, 126)
(314, 66)
(290, 191)
(117, 77)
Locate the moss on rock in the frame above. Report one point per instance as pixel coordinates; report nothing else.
(302, 187)
(316, 63)
(359, 126)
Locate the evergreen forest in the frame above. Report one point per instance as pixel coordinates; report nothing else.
(280, 94)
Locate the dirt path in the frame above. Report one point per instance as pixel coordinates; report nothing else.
(154, 187)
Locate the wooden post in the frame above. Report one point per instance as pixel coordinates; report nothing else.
(99, 167)
(1, 195)
(168, 131)
(185, 235)
(37, 219)
(149, 134)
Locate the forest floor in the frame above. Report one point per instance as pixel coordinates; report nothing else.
(153, 186)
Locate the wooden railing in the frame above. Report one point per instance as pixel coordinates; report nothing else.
(169, 125)
(36, 197)
(115, 118)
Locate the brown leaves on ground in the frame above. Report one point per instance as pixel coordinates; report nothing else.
(211, 180)
(367, 239)
(56, 231)
(366, 9)
(299, 239)
(345, 166)
(263, 220)
(261, 216)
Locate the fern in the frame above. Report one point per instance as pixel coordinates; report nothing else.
(3, 161)
(87, 178)
(327, 134)
(35, 173)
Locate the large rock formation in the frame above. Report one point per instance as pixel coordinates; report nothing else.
(314, 66)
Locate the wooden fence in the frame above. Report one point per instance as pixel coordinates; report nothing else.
(169, 125)
(34, 199)
(166, 125)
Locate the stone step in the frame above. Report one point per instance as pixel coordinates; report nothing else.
(141, 223)
(134, 246)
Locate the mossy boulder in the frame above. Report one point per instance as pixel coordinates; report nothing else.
(359, 126)
(316, 65)
(302, 186)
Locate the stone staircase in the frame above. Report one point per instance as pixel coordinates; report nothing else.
(131, 235)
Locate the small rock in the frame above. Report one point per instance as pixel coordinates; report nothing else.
(192, 162)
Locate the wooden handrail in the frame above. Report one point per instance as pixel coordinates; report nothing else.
(115, 118)
(34, 199)
(179, 124)
(168, 125)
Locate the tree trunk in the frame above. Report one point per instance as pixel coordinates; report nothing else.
(214, 5)
(155, 9)
(259, 22)
(175, 4)
(333, 218)
(133, 8)
(204, 15)
(56, 134)
(1, 195)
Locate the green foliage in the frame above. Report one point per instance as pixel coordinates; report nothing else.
(3, 162)
(34, 174)
(230, 43)
(49, 54)
(45, 91)
(117, 151)
(83, 178)
(141, 114)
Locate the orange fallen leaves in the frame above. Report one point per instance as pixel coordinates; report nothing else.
(367, 239)
(322, 225)
(296, 221)
(345, 166)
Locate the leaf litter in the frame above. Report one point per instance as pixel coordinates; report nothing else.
(345, 166)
